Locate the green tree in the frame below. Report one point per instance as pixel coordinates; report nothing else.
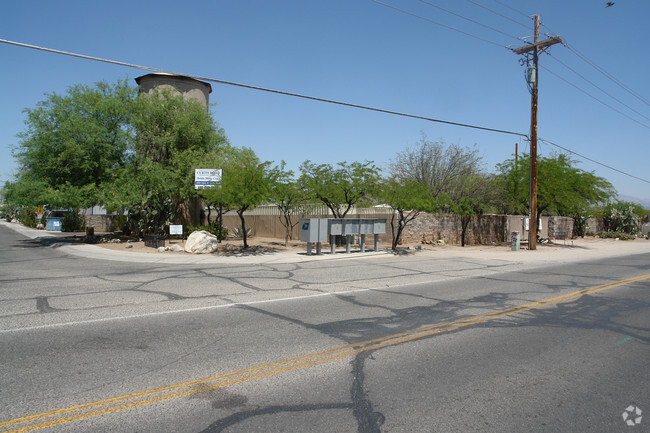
(407, 199)
(75, 143)
(245, 184)
(474, 194)
(562, 188)
(175, 136)
(289, 198)
(340, 187)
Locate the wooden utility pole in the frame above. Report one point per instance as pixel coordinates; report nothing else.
(535, 48)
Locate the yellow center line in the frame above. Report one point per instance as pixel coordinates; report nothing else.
(196, 386)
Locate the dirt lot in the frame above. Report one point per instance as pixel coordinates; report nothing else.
(228, 247)
(258, 245)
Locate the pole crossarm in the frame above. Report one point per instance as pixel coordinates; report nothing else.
(539, 45)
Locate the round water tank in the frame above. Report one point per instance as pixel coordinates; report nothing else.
(186, 86)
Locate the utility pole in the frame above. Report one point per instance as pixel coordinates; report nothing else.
(535, 48)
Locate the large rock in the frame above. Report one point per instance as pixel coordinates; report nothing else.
(201, 242)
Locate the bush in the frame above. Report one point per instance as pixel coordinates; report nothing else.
(239, 232)
(9, 211)
(119, 223)
(27, 217)
(213, 228)
(622, 218)
(580, 225)
(152, 216)
(73, 222)
(620, 235)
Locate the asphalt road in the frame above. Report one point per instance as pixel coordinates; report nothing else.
(387, 344)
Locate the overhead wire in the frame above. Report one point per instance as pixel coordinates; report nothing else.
(596, 86)
(247, 86)
(593, 160)
(213, 80)
(606, 74)
(470, 20)
(513, 9)
(553, 73)
(498, 14)
(593, 97)
(439, 24)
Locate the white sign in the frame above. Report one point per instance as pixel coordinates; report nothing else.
(176, 229)
(206, 177)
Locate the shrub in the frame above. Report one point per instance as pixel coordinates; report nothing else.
(119, 223)
(73, 222)
(239, 232)
(9, 211)
(27, 216)
(580, 226)
(151, 217)
(213, 228)
(620, 235)
(622, 218)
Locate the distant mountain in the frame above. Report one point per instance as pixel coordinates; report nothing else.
(645, 202)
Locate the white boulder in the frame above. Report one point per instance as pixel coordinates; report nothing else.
(201, 242)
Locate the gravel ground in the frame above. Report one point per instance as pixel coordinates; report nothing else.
(570, 250)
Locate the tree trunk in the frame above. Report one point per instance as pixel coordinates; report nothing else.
(243, 225)
(464, 222)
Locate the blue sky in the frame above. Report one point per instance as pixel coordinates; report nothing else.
(361, 52)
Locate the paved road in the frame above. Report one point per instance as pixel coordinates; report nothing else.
(380, 344)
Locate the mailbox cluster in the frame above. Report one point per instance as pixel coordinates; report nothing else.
(319, 230)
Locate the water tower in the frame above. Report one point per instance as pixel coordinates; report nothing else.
(186, 86)
(190, 88)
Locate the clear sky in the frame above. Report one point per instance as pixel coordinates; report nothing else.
(364, 53)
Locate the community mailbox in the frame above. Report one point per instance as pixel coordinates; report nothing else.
(379, 227)
(335, 226)
(350, 227)
(313, 230)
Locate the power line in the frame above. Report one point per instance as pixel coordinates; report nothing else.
(593, 97)
(246, 86)
(594, 161)
(597, 87)
(470, 20)
(162, 71)
(440, 24)
(498, 14)
(607, 74)
(513, 9)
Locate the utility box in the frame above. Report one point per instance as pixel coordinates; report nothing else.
(313, 230)
(515, 241)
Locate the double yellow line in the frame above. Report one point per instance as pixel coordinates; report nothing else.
(128, 401)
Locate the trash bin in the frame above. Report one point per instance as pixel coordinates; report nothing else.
(53, 224)
(54, 219)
